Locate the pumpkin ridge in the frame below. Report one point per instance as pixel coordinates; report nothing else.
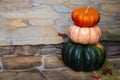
(85, 35)
(90, 52)
(83, 57)
(96, 53)
(79, 16)
(89, 36)
(101, 58)
(76, 57)
(97, 35)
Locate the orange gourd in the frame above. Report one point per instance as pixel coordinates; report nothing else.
(85, 16)
(84, 35)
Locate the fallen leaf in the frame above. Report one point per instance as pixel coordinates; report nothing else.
(62, 35)
(97, 76)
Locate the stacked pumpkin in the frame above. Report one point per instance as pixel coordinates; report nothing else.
(83, 52)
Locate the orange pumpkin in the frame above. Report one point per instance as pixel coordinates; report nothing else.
(85, 16)
(84, 35)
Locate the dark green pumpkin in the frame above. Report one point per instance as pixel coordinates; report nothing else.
(83, 57)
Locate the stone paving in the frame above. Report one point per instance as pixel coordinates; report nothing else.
(47, 68)
(33, 22)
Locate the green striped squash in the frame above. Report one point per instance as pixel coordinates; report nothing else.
(83, 57)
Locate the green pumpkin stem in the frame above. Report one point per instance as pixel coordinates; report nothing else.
(86, 11)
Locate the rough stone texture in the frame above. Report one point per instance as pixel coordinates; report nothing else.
(21, 62)
(113, 50)
(68, 75)
(29, 26)
(104, 1)
(16, 23)
(39, 12)
(111, 32)
(105, 18)
(22, 75)
(119, 70)
(40, 22)
(35, 35)
(55, 14)
(2, 25)
(109, 9)
(53, 62)
(117, 18)
(6, 50)
(79, 2)
(62, 9)
(4, 37)
(48, 50)
(63, 22)
(38, 2)
(1, 65)
(25, 50)
(22, 3)
(115, 62)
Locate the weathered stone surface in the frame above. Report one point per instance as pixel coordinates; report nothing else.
(53, 62)
(22, 3)
(105, 18)
(1, 65)
(68, 75)
(111, 32)
(55, 13)
(117, 18)
(48, 51)
(62, 9)
(22, 75)
(6, 50)
(85, 2)
(4, 38)
(64, 21)
(2, 24)
(40, 22)
(48, 1)
(104, 1)
(114, 48)
(35, 35)
(17, 23)
(68, 4)
(58, 51)
(21, 62)
(115, 62)
(119, 70)
(114, 43)
(110, 9)
(25, 50)
(39, 12)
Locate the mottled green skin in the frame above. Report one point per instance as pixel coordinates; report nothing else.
(83, 57)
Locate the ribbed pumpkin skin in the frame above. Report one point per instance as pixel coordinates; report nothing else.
(84, 35)
(83, 57)
(85, 19)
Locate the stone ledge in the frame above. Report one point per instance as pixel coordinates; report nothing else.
(11, 63)
(52, 62)
(30, 36)
(22, 75)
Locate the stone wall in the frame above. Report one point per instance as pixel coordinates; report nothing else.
(35, 62)
(34, 22)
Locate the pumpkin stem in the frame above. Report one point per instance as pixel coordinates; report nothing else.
(86, 11)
